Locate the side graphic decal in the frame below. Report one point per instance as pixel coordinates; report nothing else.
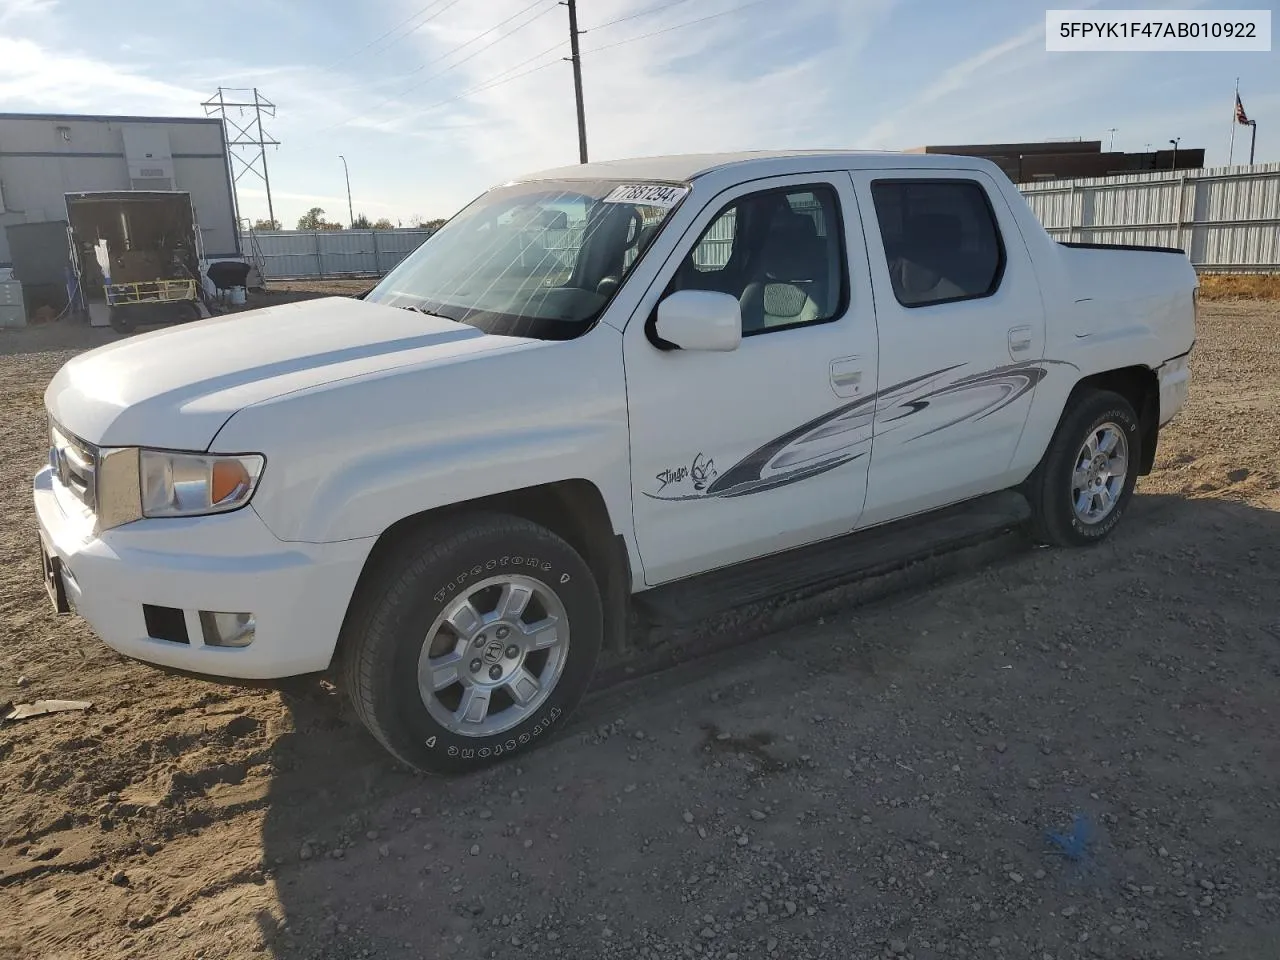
(844, 434)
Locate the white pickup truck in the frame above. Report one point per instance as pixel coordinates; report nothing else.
(601, 386)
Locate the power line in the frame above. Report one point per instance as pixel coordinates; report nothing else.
(456, 64)
(678, 26)
(419, 26)
(467, 43)
(378, 39)
(477, 52)
(501, 77)
(496, 80)
(633, 16)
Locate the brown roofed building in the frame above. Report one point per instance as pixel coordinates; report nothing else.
(1068, 159)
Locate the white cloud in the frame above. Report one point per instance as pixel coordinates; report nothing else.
(35, 76)
(424, 130)
(12, 11)
(677, 92)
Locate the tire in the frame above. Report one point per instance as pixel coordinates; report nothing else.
(121, 321)
(396, 625)
(1052, 489)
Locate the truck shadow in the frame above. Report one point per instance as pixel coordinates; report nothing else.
(368, 856)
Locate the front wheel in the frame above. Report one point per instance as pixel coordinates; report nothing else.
(1083, 486)
(472, 642)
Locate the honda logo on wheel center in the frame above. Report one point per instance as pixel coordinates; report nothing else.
(493, 652)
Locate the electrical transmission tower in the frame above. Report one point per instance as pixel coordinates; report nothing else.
(248, 146)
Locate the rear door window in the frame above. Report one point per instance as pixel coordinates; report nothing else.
(941, 240)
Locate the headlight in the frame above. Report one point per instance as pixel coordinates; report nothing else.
(134, 483)
(188, 485)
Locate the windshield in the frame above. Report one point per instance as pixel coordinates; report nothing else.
(540, 259)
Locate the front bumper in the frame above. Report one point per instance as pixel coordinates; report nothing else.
(297, 592)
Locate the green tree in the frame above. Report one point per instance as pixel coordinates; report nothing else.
(312, 219)
(432, 224)
(326, 225)
(361, 223)
(266, 225)
(382, 223)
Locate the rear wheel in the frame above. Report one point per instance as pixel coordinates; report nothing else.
(1085, 482)
(472, 642)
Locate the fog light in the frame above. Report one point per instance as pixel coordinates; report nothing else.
(227, 629)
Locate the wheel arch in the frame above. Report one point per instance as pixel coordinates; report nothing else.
(1141, 387)
(573, 509)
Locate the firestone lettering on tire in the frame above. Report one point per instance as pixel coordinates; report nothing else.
(498, 749)
(533, 562)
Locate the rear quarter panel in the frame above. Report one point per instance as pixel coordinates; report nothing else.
(1105, 309)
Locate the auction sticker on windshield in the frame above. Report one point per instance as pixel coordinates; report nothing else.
(647, 194)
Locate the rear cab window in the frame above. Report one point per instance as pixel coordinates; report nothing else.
(941, 240)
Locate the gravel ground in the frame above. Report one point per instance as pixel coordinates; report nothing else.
(879, 781)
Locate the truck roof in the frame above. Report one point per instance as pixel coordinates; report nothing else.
(690, 166)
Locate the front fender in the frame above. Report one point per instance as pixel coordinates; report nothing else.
(370, 493)
(351, 459)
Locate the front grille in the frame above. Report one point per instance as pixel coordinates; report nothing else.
(74, 463)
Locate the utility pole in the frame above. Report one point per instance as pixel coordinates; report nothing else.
(248, 133)
(351, 214)
(1111, 144)
(577, 78)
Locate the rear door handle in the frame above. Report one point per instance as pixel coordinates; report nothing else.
(1019, 339)
(846, 376)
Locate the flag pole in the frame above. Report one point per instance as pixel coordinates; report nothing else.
(1232, 148)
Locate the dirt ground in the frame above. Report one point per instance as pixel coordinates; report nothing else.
(878, 781)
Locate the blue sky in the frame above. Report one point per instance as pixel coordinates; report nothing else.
(431, 113)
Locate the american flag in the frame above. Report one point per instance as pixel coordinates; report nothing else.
(1240, 117)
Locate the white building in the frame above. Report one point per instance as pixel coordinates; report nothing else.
(43, 157)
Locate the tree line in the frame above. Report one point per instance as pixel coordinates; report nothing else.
(314, 219)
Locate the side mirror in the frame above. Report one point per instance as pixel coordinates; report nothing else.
(700, 320)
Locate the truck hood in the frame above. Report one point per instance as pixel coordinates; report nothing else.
(177, 386)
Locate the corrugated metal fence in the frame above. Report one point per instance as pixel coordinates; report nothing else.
(1226, 218)
(293, 254)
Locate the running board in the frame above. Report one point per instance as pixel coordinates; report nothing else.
(833, 563)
